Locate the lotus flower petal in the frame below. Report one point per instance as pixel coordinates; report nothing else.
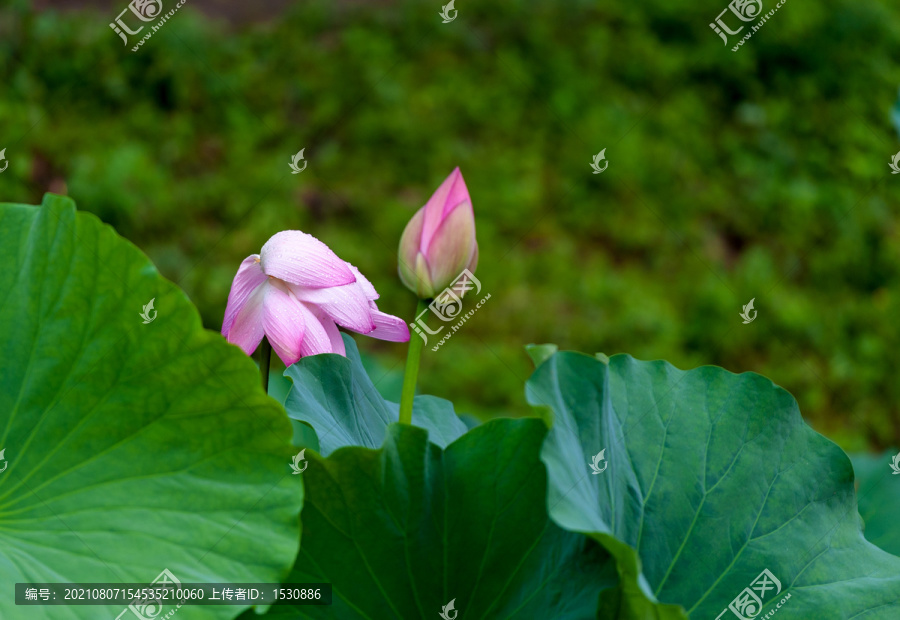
(246, 329)
(452, 248)
(299, 258)
(248, 278)
(367, 288)
(389, 327)
(346, 305)
(410, 249)
(316, 340)
(451, 194)
(284, 320)
(325, 336)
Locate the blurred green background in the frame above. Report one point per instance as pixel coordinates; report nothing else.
(757, 174)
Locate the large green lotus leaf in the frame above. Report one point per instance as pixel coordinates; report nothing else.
(131, 447)
(335, 395)
(879, 498)
(403, 530)
(713, 478)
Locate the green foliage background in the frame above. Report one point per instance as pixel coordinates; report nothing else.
(757, 174)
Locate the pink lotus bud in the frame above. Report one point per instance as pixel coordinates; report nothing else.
(296, 292)
(439, 241)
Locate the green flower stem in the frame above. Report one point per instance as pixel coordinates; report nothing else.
(412, 370)
(265, 356)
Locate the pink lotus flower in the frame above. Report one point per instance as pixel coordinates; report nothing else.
(296, 292)
(439, 241)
